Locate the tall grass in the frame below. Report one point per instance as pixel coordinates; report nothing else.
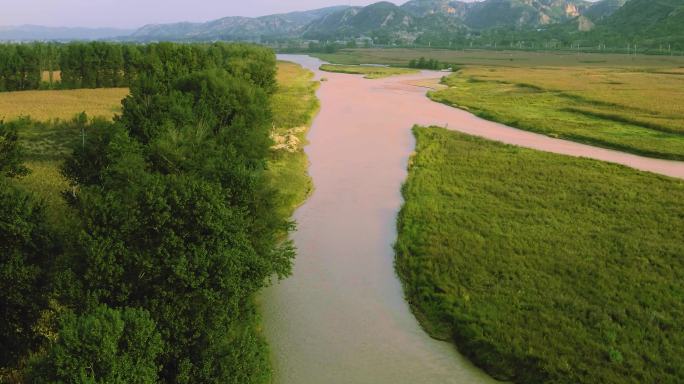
(61, 104)
(584, 114)
(542, 267)
(520, 59)
(369, 72)
(294, 104)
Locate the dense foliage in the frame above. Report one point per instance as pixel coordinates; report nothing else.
(26, 249)
(106, 65)
(103, 346)
(542, 267)
(20, 67)
(10, 151)
(424, 63)
(175, 228)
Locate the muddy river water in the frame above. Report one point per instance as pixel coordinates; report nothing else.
(342, 317)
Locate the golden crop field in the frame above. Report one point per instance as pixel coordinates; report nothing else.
(655, 97)
(62, 104)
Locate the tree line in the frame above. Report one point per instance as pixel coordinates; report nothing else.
(424, 63)
(171, 230)
(94, 64)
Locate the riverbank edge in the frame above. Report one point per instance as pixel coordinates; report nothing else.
(441, 331)
(298, 162)
(368, 72)
(433, 322)
(486, 115)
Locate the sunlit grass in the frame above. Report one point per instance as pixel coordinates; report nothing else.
(294, 104)
(543, 267)
(61, 104)
(629, 103)
(521, 59)
(609, 108)
(370, 72)
(47, 142)
(45, 146)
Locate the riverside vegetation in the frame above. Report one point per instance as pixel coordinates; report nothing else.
(294, 105)
(612, 101)
(542, 267)
(613, 108)
(369, 72)
(146, 255)
(62, 104)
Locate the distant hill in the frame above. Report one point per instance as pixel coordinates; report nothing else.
(521, 13)
(657, 20)
(35, 32)
(521, 23)
(236, 28)
(421, 8)
(603, 8)
(383, 18)
(418, 17)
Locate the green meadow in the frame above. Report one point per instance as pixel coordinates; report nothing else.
(294, 105)
(542, 267)
(628, 103)
(369, 72)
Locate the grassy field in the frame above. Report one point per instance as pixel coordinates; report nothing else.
(607, 108)
(47, 143)
(542, 267)
(400, 57)
(47, 105)
(294, 106)
(629, 103)
(370, 72)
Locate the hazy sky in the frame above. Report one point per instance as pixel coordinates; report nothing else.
(135, 13)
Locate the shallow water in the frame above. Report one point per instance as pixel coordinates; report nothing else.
(342, 317)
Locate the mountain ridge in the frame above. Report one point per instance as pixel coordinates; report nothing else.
(549, 23)
(386, 20)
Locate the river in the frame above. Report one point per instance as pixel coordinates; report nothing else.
(341, 317)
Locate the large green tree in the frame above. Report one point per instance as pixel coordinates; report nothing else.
(26, 248)
(10, 149)
(106, 346)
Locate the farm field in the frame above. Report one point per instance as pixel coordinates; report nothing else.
(370, 72)
(47, 142)
(494, 238)
(629, 103)
(61, 104)
(400, 57)
(610, 108)
(49, 133)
